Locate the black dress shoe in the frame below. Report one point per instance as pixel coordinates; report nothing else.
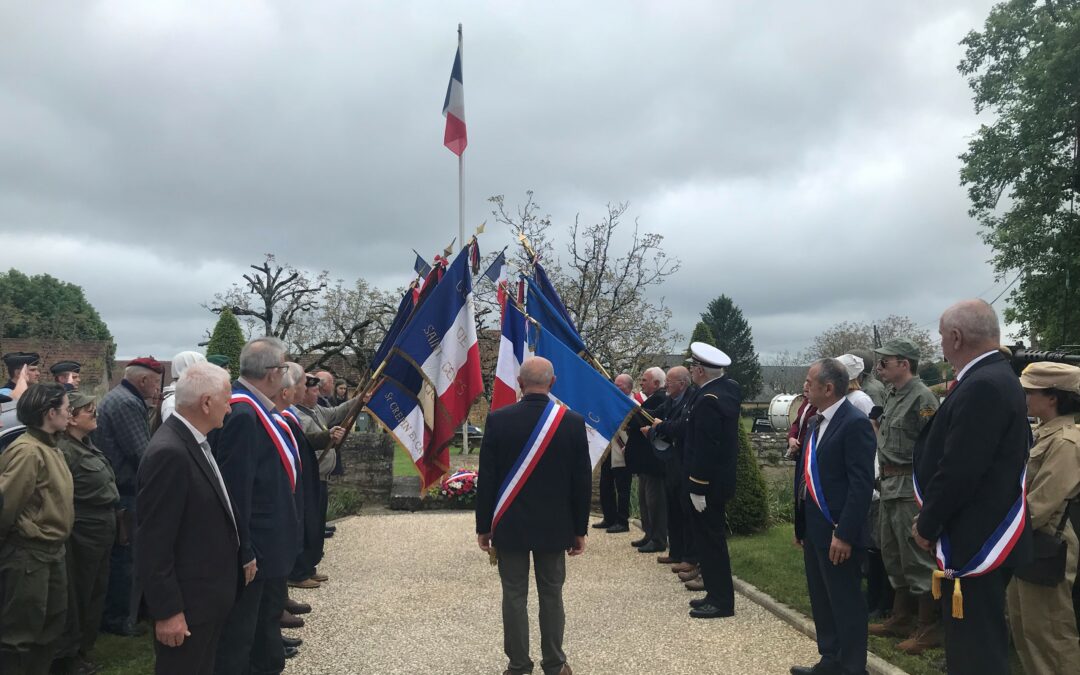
(617, 528)
(818, 668)
(328, 534)
(602, 525)
(291, 641)
(652, 547)
(330, 528)
(698, 602)
(291, 652)
(293, 607)
(639, 542)
(710, 611)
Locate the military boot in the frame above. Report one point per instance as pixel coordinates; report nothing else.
(928, 634)
(902, 621)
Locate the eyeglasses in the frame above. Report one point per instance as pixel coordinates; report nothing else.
(283, 366)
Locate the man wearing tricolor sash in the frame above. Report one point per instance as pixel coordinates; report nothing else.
(834, 479)
(260, 466)
(969, 479)
(533, 496)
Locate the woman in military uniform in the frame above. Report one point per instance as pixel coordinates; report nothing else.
(1041, 617)
(35, 522)
(96, 498)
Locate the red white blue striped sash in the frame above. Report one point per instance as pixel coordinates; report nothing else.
(813, 478)
(530, 456)
(286, 453)
(288, 413)
(997, 547)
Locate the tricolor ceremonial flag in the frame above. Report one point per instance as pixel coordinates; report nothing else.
(404, 311)
(549, 292)
(541, 309)
(511, 355)
(585, 391)
(433, 374)
(453, 108)
(420, 266)
(499, 272)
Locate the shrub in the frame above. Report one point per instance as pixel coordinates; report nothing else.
(227, 340)
(748, 511)
(342, 501)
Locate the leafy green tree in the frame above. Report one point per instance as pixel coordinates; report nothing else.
(748, 511)
(227, 340)
(44, 307)
(1023, 67)
(733, 336)
(702, 333)
(930, 373)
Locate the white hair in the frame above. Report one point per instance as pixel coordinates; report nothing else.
(198, 380)
(975, 319)
(293, 374)
(133, 372)
(656, 373)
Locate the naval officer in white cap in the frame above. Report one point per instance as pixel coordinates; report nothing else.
(711, 444)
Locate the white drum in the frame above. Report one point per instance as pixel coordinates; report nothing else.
(783, 409)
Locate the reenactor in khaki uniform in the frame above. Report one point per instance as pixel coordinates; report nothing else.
(909, 405)
(35, 523)
(1041, 617)
(88, 549)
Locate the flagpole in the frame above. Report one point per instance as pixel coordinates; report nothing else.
(461, 229)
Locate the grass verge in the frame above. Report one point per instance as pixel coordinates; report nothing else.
(124, 655)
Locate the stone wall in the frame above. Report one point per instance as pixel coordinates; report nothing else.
(93, 355)
(369, 466)
(771, 446)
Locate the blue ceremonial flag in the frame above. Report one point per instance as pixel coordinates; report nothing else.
(404, 311)
(551, 294)
(495, 268)
(539, 308)
(420, 266)
(585, 391)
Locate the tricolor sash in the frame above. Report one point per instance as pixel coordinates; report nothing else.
(290, 414)
(530, 456)
(286, 453)
(988, 558)
(813, 478)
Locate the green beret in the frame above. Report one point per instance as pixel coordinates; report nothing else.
(899, 347)
(219, 360)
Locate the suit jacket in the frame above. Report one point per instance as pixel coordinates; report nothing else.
(640, 457)
(711, 439)
(185, 543)
(845, 459)
(308, 487)
(553, 505)
(262, 497)
(969, 460)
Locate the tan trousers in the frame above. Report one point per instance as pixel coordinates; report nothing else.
(1043, 623)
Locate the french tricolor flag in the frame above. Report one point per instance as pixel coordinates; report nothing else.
(453, 108)
(505, 390)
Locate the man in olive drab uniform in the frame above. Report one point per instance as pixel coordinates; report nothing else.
(712, 446)
(909, 406)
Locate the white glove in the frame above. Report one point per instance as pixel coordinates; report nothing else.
(698, 501)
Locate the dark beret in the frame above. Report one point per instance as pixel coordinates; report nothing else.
(65, 367)
(19, 359)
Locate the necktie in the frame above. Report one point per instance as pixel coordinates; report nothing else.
(812, 428)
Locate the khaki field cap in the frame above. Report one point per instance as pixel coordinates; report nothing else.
(1047, 375)
(899, 347)
(77, 399)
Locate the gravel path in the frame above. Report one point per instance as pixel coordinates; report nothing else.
(411, 593)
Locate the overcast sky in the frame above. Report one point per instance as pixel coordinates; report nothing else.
(799, 157)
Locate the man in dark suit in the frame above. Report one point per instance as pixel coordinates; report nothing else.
(679, 392)
(643, 462)
(261, 480)
(968, 465)
(835, 479)
(711, 446)
(186, 543)
(548, 516)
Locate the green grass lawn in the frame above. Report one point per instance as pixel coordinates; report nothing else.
(124, 655)
(771, 561)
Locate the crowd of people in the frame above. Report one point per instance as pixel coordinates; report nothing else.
(194, 505)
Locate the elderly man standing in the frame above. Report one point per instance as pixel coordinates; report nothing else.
(711, 437)
(122, 434)
(909, 406)
(537, 451)
(835, 479)
(187, 541)
(615, 478)
(969, 469)
(643, 462)
(679, 392)
(257, 462)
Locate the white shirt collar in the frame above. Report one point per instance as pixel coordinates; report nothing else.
(200, 437)
(972, 362)
(828, 413)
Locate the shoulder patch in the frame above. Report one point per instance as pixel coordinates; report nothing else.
(711, 396)
(927, 412)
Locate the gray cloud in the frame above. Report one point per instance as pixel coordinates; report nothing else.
(798, 157)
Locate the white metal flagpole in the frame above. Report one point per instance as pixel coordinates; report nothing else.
(461, 226)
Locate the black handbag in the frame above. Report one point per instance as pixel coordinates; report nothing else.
(1047, 567)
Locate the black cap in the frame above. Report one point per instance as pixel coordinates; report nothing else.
(65, 367)
(16, 360)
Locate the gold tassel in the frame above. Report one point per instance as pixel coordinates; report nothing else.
(957, 600)
(935, 584)
(493, 556)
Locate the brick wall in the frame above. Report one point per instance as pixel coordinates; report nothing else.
(92, 354)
